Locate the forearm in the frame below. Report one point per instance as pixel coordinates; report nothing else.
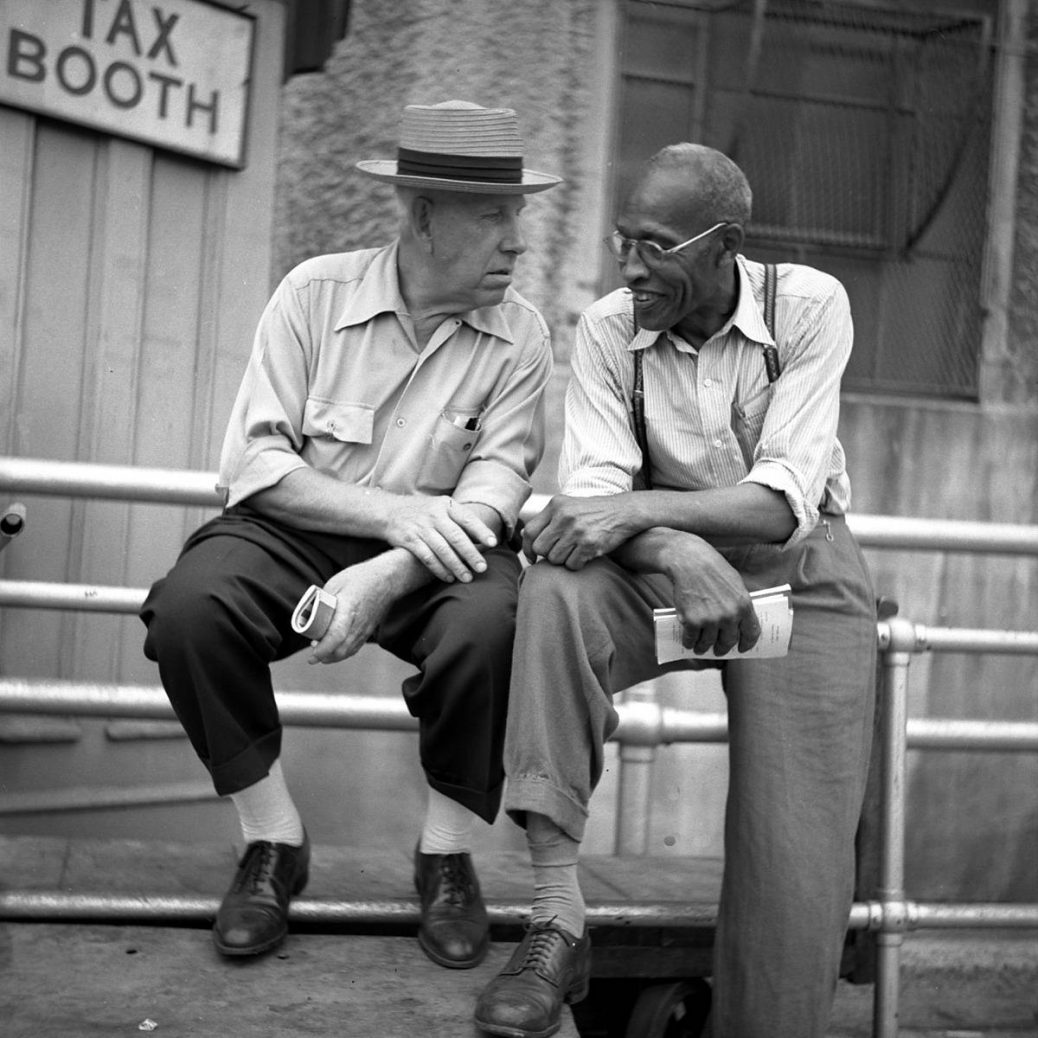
(310, 500)
(749, 513)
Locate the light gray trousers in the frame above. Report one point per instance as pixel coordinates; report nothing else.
(799, 740)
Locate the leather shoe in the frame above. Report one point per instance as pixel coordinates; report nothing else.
(253, 916)
(524, 1000)
(453, 930)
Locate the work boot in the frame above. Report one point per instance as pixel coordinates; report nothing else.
(453, 930)
(525, 999)
(253, 916)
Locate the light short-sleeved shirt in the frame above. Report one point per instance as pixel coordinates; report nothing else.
(336, 381)
(712, 418)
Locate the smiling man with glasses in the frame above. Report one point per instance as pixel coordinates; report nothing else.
(700, 463)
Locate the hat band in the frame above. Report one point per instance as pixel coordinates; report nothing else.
(481, 168)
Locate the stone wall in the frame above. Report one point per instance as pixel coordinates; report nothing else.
(534, 56)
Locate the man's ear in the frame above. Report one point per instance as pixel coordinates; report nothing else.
(732, 237)
(422, 219)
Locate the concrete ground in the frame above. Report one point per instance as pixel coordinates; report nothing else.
(78, 975)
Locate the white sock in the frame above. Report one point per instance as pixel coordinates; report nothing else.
(554, 855)
(266, 811)
(448, 826)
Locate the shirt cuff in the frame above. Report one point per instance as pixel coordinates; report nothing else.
(777, 477)
(492, 484)
(260, 468)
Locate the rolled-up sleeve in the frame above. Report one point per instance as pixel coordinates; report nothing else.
(795, 452)
(512, 438)
(600, 454)
(264, 433)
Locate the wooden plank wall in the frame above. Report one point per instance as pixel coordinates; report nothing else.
(131, 280)
(973, 817)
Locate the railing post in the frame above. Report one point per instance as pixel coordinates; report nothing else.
(898, 639)
(638, 741)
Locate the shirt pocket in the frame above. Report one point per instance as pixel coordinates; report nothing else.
(748, 421)
(453, 437)
(334, 419)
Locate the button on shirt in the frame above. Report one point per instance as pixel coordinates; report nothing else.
(337, 381)
(712, 418)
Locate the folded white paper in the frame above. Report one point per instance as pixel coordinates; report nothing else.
(774, 612)
(313, 613)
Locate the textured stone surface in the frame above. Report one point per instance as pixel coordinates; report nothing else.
(534, 57)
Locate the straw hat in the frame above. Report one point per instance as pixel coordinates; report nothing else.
(458, 146)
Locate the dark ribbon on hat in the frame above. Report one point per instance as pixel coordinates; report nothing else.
(493, 169)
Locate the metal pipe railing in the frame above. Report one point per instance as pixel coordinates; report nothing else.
(37, 905)
(643, 724)
(185, 487)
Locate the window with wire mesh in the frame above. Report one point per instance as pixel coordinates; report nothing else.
(864, 133)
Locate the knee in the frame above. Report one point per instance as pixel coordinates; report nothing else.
(545, 588)
(486, 620)
(178, 613)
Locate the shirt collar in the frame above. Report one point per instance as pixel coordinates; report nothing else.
(747, 316)
(379, 293)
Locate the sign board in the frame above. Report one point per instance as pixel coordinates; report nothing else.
(172, 73)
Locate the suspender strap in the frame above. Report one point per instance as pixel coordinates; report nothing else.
(638, 407)
(771, 358)
(770, 281)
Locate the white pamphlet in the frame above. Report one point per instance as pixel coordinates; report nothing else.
(774, 612)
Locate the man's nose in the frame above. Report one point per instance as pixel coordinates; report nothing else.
(632, 267)
(514, 241)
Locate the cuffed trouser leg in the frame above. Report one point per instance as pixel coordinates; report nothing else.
(799, 742)
(215, 623)
(580, 636)
(222, 615)
(460, 635)
(800, 733)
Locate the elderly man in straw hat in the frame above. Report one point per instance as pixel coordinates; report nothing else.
(377, 454)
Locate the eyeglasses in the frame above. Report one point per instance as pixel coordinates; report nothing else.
(651, 254)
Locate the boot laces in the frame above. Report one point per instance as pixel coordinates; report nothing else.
(540, 949)
(456, 887)
(258, 874)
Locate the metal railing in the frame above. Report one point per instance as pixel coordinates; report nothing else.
(644, 726)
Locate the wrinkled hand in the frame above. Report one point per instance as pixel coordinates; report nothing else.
(363, 598)
(714, 607)
(571, 531)
(443, 535)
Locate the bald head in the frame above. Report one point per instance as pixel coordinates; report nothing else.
(700, 185)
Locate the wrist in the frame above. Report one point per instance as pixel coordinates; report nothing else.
(678, 552)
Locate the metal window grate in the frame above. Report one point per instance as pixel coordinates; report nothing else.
(864, 133)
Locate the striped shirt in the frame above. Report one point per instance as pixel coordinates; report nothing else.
(712, 418)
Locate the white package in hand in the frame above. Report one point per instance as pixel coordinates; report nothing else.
(313, 613)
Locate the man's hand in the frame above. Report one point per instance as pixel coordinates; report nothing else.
(712, 602)
(363, 597)
(571, 531)
(443, 535)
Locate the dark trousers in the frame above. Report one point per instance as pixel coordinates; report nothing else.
(222, 615)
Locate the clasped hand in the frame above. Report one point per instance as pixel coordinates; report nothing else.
(571, 531)
(712, 602)
(444, 536)
(363, 596)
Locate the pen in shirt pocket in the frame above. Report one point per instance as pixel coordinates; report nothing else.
(467, 421)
